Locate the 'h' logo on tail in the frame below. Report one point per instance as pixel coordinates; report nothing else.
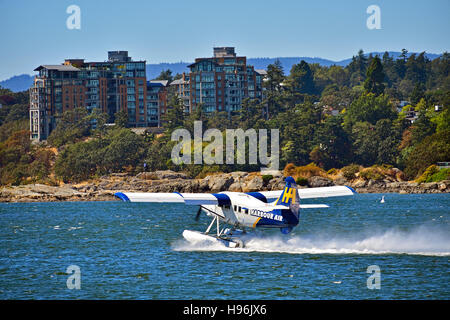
(289, 194)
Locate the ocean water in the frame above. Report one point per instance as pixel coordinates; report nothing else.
(136, 251)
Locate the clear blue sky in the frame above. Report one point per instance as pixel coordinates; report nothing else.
(35, 32)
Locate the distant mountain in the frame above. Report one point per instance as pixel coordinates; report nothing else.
(24, 81)
(153, 70)
(18, 83)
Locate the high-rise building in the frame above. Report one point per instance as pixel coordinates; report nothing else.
(219, 83)
(156, 101)
(222, 82)
(110, 86)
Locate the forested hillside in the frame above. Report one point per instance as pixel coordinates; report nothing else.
(333, 116)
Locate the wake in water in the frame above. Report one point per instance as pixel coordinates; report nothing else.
(419, 241)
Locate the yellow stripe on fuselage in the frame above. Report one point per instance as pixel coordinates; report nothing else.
(256, 222)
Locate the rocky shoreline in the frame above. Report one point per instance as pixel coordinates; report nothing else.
(103, 189)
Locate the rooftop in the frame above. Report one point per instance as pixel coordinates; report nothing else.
(178, 81)
(58, 67)
(261, 72)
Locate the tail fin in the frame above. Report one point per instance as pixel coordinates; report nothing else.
(289, 196)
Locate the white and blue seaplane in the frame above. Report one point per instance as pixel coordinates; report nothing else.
(265, 209)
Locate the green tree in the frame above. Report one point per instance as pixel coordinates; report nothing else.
(275, 76)
(432, 149)
(174, 118)
(121, 119)
(121, 148)
(72, 125)
(365, 143)
(357, 68)
(422, 128)
(297, 128)
(375, 77)
(301, 78)
(416, 68)
(165, 75)
(333, 146)
(79, 161)
(369, 108)
(124, 148)
(249, 113)
(417, 93)
(400, 64)
(389, 135)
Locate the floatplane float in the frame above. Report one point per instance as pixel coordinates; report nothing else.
(265, 209)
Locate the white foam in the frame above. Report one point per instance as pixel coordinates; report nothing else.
(418, 241)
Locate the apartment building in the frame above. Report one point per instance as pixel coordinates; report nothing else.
(222, 82)
(218, 83)
(110, 86)
(157, 91)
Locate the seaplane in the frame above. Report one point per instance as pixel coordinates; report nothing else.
(243, 210)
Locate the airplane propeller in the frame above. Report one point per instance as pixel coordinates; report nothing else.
(197, 216)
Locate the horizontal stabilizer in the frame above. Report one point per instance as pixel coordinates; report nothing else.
(313, 206)
(270, 207)
(325, 192)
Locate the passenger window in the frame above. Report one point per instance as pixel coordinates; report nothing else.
(246, 211)
(235, 208)
(239, 209)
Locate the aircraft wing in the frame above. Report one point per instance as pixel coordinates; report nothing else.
(176, 197)
(323, 192)
(223, 199)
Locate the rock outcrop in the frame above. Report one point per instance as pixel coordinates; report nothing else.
(318, 181)
(104, 188)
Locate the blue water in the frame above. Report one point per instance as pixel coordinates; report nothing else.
(136, 251)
